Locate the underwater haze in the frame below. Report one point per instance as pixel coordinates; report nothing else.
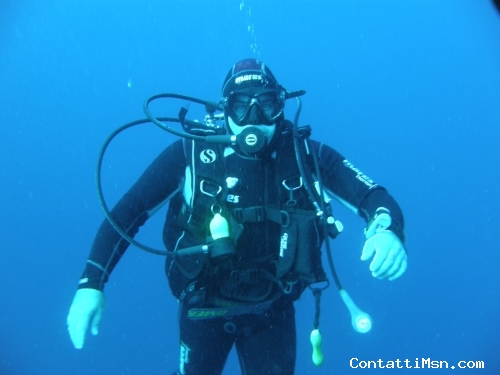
(408, 91)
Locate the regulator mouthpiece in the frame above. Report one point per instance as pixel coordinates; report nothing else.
(251, 140)
(361, 321)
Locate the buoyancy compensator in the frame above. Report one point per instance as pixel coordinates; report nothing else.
(213, 130)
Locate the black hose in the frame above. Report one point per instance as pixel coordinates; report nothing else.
(163, 126)
(210, 106)
(112, 221)
(325, 223)
(313, 195)
(300, 159)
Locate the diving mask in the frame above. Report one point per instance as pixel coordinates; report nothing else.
(260, 107)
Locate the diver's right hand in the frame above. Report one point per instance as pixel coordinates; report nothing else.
(87, 309)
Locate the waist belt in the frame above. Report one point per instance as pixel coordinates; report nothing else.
(226, 311)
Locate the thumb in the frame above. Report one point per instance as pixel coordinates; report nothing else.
(96, 320)
(368, 249)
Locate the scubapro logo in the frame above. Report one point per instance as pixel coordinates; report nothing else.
(208, 156)
(251, 139)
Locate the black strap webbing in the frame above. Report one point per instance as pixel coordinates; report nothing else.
(317, 299)
(257, 214)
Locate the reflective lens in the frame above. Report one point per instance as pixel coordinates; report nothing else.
(260, 108)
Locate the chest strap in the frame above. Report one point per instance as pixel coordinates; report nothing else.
(253, 276)
(258, 214)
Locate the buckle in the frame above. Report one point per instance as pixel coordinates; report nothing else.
(285, 219)
(260, 214)
(245, 277)
(255, 214)
(289, 188)
(238, 215)
(210, 194)
(289, 286)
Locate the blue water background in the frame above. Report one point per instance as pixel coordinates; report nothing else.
(408, 91)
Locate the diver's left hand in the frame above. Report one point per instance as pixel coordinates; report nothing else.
(389, 261)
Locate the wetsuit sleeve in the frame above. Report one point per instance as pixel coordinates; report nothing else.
(346, 183)
(156, 185)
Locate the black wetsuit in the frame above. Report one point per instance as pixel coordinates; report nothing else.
(265, 342)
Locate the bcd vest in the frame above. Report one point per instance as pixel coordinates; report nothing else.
(275, 236)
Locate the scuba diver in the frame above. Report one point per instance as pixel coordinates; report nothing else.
(244, 230)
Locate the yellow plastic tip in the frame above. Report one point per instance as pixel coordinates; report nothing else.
(317, 354)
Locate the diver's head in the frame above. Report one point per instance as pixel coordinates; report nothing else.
(251, 97)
